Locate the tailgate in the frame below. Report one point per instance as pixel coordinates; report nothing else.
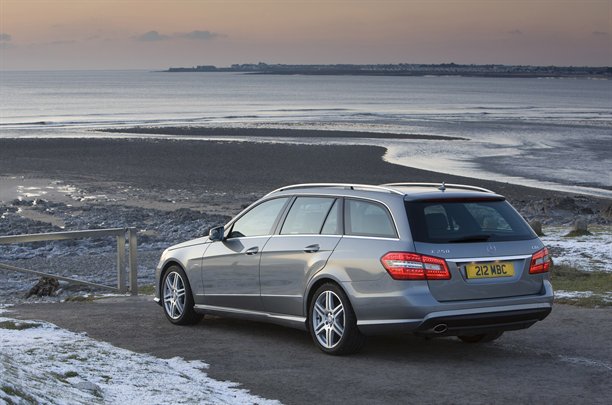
(485, 270)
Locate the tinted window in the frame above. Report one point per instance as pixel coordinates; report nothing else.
(466, 221)
(306, 215)
(366, 218)
(259, 220)
(332, 223)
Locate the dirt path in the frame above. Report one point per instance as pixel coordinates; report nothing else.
(567, 358)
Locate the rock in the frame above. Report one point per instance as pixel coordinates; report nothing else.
(90, 387)
(566, 203)
(46, 286)
(537, 227)
(580, 228)
(606, 212)
(586, 211)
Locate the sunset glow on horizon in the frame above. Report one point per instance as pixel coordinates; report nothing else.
(138, 34)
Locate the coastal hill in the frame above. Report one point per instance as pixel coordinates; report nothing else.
(406, 69)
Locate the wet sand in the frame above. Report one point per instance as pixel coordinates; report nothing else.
(225, 173)
(272, 133)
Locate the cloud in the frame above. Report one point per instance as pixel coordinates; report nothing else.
(5, 37)
(515, 32)
(61, 42)
(152, 36)
(199, 35)
(600, 33)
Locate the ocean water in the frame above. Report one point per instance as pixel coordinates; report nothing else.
(547, 133)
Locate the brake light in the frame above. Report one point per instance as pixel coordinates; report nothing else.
(413, 266)
(540, 262)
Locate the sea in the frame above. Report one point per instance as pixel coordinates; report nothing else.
(552, 133)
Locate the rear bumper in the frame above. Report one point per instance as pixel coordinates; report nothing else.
(473, 324)
(417, 312)
(463, 321)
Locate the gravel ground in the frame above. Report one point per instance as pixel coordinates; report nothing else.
(89, 259)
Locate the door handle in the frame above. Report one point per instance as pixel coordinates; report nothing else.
(312, 248)
(252, 250)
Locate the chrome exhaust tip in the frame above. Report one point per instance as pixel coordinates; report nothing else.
(440, 328)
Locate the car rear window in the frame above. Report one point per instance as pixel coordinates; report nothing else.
(466, 221)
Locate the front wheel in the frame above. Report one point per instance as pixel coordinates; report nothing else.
(333, 324)
(177, 298)
(482, 338)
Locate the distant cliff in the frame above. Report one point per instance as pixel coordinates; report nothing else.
(405, 69)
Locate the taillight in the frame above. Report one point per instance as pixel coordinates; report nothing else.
(540, 262)
(413, 266)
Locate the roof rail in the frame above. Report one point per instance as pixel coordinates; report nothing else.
(348, 186)
(441, 186)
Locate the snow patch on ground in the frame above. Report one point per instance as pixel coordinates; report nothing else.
(586, 253)
(583, 294)
(42, 363)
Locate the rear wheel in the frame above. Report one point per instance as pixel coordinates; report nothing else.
(481, 338)
(333, 324)
(177, 298)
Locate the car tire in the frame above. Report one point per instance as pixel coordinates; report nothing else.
(481, 338)
(177, 299)
(332, 321)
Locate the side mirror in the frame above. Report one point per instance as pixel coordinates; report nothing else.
(216, 234)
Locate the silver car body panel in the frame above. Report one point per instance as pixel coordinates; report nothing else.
(279, 319)
(287, 263)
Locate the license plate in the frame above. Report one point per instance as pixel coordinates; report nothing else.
(489, 270)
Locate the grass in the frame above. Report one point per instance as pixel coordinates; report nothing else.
(15, 392)
(70, 374)
(12, 325)
(569, 278)
(80, 298)
(64, 377)
(148, 289)
(576, 233)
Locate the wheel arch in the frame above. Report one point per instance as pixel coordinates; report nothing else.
(162, 274)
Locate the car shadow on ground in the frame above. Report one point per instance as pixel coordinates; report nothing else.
(386, 348)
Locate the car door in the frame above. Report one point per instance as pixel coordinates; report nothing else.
(307, 237)
(230, 268)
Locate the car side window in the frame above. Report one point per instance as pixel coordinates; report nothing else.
(259, 220)
(367, 218)
(306, 215)
(332, 222)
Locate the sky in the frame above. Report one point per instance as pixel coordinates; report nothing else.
(157, 34)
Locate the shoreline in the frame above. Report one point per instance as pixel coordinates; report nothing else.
(477, 168)
(195, 131)
(338, 137)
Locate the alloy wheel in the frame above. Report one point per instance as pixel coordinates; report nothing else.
(328, 319)
(174, 295)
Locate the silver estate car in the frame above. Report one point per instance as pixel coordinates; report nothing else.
(344, 261)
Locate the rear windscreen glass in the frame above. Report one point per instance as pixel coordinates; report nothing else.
(466, 221)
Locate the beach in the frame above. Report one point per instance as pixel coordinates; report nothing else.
(172, 190)
(201, 174)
